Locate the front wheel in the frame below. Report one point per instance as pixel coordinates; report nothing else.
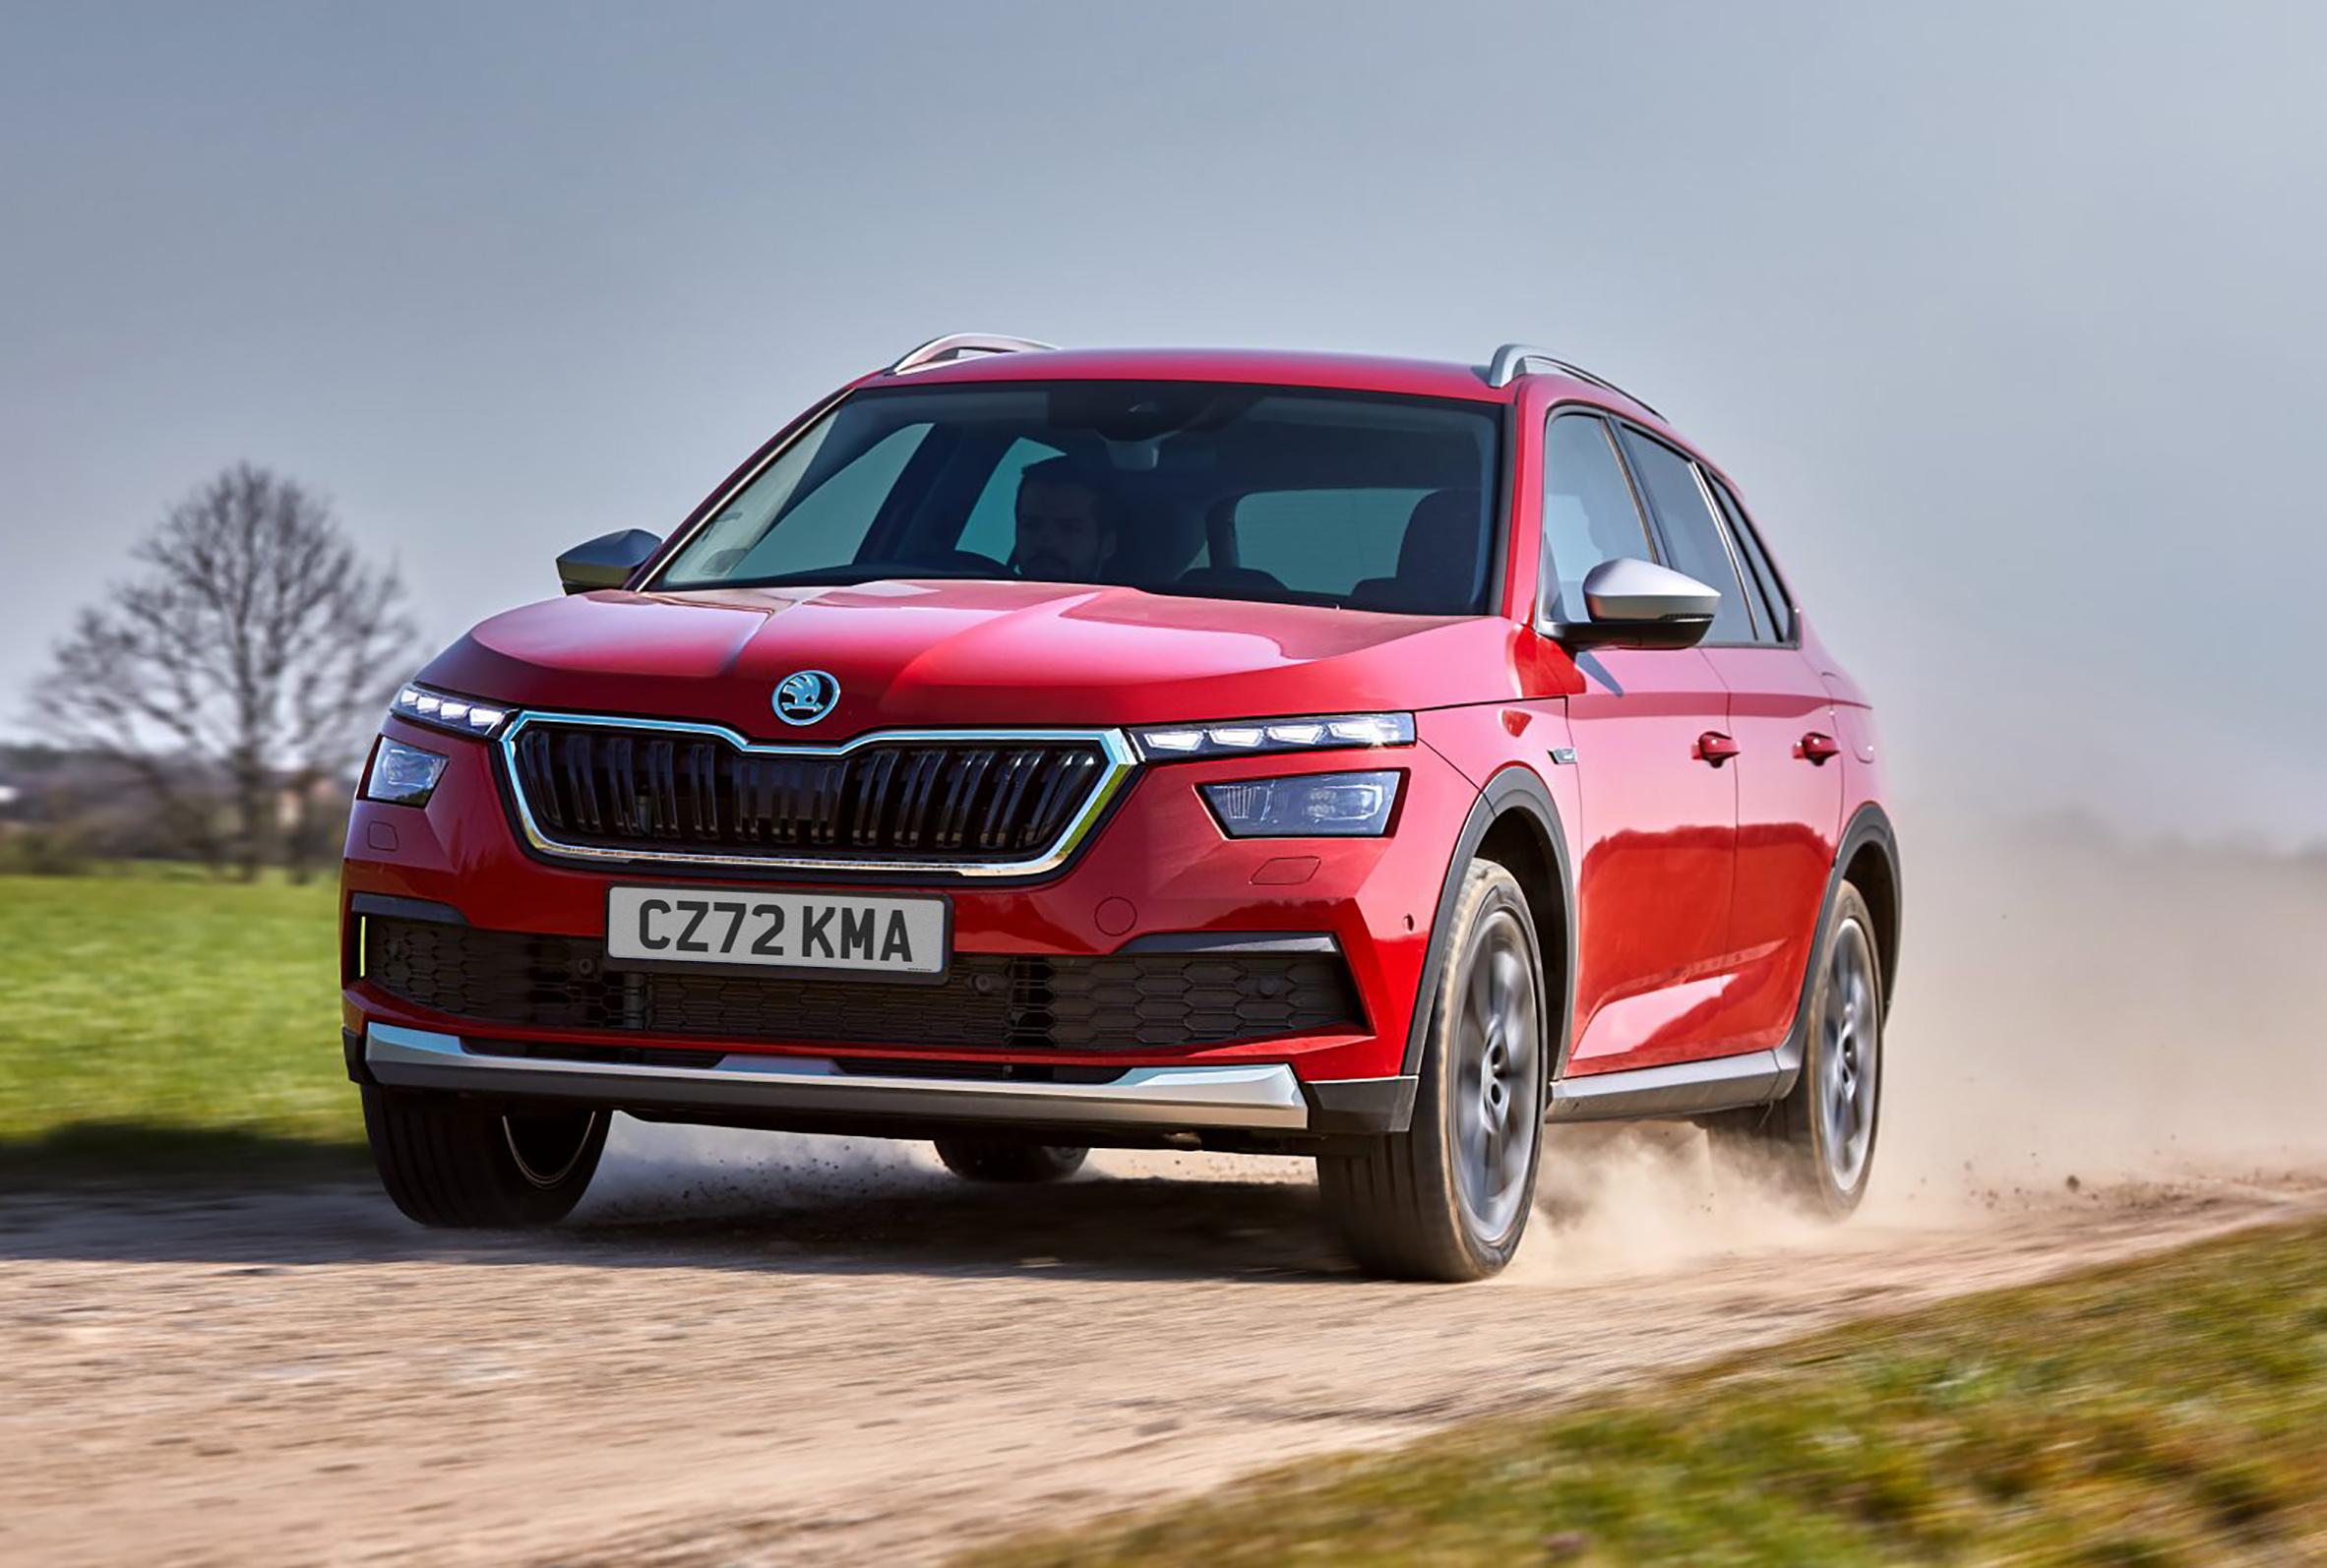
(450, 1162)
(1448, 1198)
(1817, 1144)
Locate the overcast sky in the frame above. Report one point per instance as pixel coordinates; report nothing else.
(2009, 319)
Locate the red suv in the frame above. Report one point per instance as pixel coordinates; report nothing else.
(1030, 749)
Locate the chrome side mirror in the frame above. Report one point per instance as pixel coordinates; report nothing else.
(1638, 604)
(607, 561)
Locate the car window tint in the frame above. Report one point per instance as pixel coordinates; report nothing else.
(1779, 623)
(828, 524)
(1691, 533)
(1589, 514)
(1383, 501)
(992, 527)
(1328, 539)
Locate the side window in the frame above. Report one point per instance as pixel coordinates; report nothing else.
(1692, 536)
(1589, 514)
(1780, 621)
(992, 529)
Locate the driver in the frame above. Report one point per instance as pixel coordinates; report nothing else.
(1066, 523)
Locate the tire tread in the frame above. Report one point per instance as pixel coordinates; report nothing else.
(445, 1163)
(1394, 1202)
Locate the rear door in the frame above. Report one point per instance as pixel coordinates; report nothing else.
(1789, 787)
(1656, 843)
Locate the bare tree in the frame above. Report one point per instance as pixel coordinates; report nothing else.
(241, 668)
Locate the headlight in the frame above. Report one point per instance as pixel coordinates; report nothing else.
(1312, 806)
(441, 711)
(403, 775)
(1174, 743)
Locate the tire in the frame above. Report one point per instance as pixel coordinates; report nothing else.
(450, 1162)
(999, 1160)
(1817, 1144)
(1448, 1198)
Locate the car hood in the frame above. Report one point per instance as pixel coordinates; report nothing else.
(940, 653)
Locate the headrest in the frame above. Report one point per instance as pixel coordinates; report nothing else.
(1442, 544)
(1438, 560)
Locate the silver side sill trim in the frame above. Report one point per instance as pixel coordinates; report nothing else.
(1258, 1095)
(1684, 1089)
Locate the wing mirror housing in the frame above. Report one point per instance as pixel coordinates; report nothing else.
(1638, 604)
(607, 561)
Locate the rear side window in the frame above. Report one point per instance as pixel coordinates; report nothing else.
(1778, 622)
(1693, 534)
(1589, 514)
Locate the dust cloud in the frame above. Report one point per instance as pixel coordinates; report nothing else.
(2079, 1018)
(2073, 1004)
(2077, 1014)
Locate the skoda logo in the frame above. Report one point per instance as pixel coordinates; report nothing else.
(806, 695)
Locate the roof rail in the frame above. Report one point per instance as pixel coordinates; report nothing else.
(956, 347)
(1514, 360)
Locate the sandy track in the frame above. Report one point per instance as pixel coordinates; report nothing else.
(863, 1359)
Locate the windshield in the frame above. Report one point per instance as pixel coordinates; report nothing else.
(1365, 502)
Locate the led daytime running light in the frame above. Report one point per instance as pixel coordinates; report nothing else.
(1250, 737)
(441, 712)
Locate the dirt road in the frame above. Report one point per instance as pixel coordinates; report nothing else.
(859, 1359)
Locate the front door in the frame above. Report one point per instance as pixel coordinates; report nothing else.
(1655, 843)
(1657, 856)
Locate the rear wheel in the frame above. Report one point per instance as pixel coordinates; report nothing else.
(451, 1162)
(1817, 1144)
(1448, 1198)
(999, 1160)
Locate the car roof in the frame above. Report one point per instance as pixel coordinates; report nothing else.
(1422, 377)
(1270, 367)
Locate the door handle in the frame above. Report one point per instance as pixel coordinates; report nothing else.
(1714, 747)
(1820, 748)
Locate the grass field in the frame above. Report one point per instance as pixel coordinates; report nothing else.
(2167, 1412)
(150, 1020)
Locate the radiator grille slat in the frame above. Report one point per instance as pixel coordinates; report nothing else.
(909, 800)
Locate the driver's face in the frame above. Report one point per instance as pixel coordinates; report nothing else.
(1060, 537)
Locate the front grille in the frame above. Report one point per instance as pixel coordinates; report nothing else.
(1123, 1001)
(958, 800)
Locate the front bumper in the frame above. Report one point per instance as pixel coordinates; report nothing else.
(1259, 1096)
(1158, 870)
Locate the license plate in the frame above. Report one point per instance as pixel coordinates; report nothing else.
(733, 927)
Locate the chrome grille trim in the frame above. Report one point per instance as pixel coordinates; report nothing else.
(1122, 761)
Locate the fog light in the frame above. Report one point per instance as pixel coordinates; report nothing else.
(403, 775)
(1312, 806)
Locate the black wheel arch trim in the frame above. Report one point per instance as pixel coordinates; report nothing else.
(1869, 825)
(1514, 791)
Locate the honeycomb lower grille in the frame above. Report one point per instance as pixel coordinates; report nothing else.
(1125, 1001)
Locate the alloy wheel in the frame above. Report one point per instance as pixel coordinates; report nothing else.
(1497, 1100)
(1849, 1056)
